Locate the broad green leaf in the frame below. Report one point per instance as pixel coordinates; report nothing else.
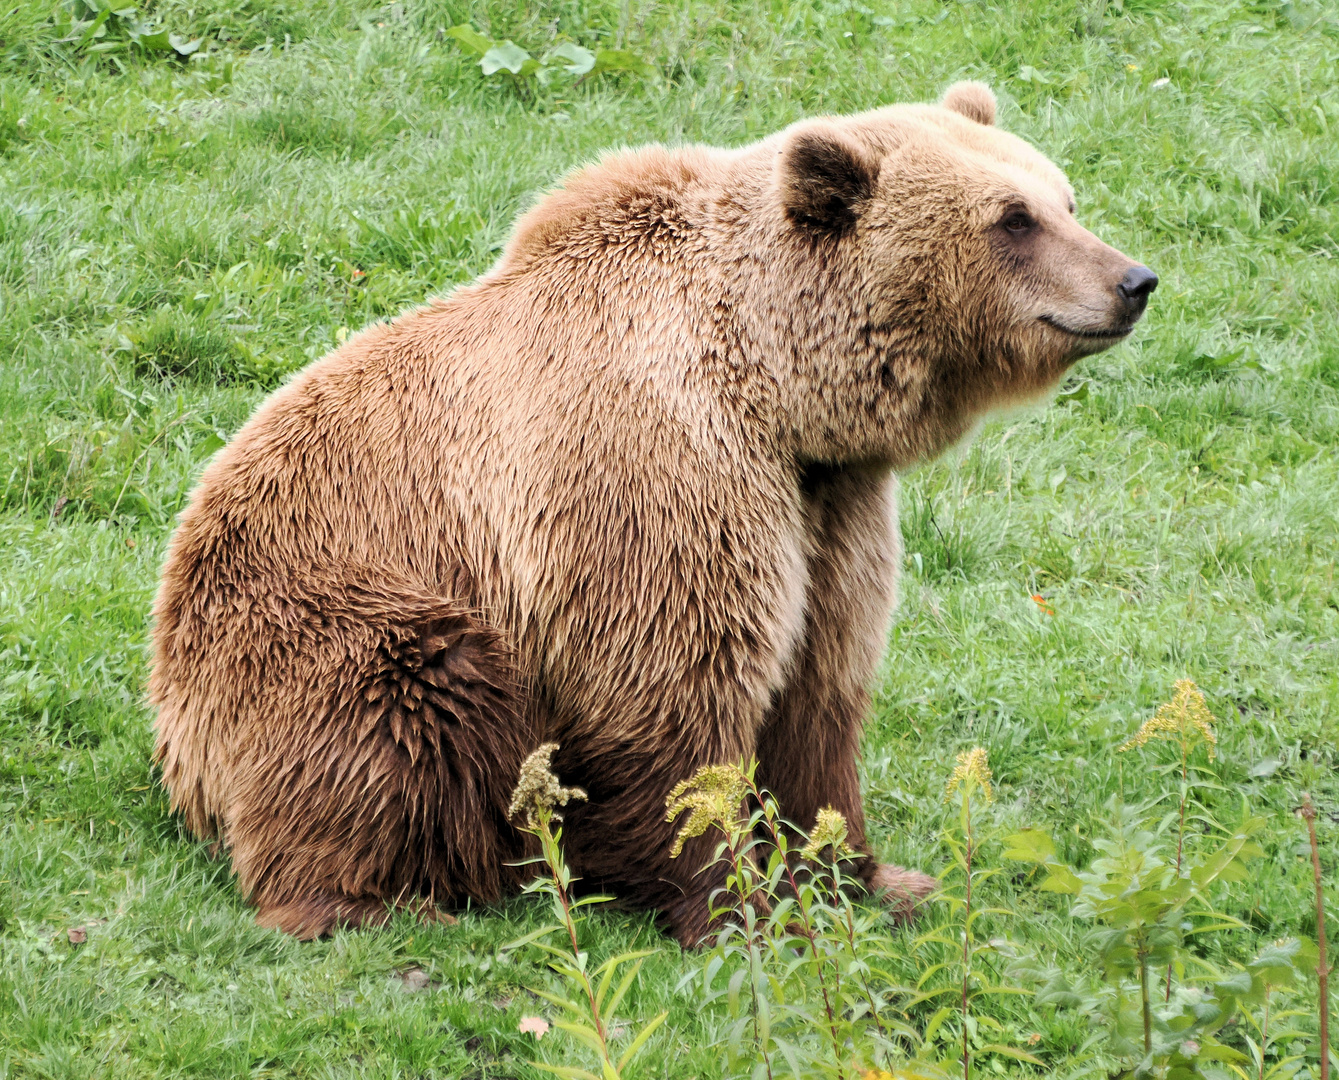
(1216, 1051)
(1061, 879)
(471, 39)
(579, 60)
(159, 42)
(505, 57)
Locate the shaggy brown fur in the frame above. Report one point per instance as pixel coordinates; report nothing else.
(631, 492)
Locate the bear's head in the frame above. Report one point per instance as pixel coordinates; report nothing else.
(933, 270)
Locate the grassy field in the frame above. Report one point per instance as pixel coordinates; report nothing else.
(178, 236)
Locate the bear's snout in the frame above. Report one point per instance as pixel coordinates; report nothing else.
(1135, 288)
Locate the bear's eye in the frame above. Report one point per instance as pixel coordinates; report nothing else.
(1018, 221)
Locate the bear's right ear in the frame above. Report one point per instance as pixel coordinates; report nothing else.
(974, 100)
(824, 177)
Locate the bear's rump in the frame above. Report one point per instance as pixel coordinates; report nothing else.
(375, 749)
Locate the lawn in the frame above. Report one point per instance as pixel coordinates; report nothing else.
(178, 235)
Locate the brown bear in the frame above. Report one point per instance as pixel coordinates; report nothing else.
(633, 492)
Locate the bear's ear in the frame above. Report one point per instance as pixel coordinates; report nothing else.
(824, 177)
(974, 100)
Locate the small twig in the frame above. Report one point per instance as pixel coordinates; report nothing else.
(1308, 812)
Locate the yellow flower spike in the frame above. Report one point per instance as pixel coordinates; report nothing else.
(1185, 719)
(972, 765)
(538, 788)
(711, 796)
(829, 831)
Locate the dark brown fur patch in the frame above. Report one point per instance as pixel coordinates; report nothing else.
(824, 179)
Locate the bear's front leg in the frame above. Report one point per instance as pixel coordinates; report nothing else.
(808, 759)
(809, 746)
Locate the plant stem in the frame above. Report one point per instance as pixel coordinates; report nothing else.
(1143, 996)
(554, 858)
(755, 963)
(967, 933)
(864, 981)
(1180, 841)
(1322, 966)
(808, 927)
(1264, 1033)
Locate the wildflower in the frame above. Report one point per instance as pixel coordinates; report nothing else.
(711, 796)
(972, 765)
(1185, 719)
(538, 789)
(829, 831)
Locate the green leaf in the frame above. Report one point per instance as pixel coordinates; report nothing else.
(1216, 1051)
(471, 39)
(579, 60)
(181, 46)
(621, 60)
(641, 1038)
(1011, 1052)
(936, 1022)
(521, 942)
(1030, 845)
(93, 29)
(584, 1032)
(1061, 879)
(505, 57)
(621, 990)
(158, 42)
(569, 1072)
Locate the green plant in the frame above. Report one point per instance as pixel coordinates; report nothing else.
(817, 1003)
(103, 27)
(1186, 721)
(1265, 984)
(565, 60)
(1193, 529)
(971, 777)
(590, 1015)
(1144, 909)
(822, 996)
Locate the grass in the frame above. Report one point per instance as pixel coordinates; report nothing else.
(175, 238)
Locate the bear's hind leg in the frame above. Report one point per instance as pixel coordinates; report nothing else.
(387, 772)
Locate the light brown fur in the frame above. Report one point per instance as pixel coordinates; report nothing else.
(631, 492)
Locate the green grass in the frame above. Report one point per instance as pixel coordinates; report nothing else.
(175, 239)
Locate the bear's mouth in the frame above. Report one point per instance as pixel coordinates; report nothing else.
(1114, 332)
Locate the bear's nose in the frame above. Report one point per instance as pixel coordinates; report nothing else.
(1135, 287)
